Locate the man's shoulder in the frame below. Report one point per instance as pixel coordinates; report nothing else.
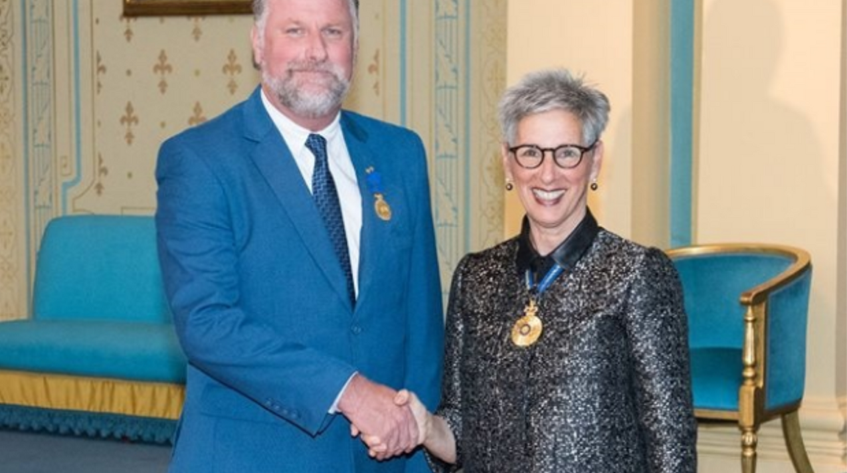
(227, 126)
(373, 126)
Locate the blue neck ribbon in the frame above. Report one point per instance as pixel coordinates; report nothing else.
(546, 281)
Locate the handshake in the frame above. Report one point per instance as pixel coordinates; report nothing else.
(390, 422)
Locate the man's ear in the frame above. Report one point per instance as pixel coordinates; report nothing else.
(256, 43)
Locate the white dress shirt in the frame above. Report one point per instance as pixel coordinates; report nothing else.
(340, 166)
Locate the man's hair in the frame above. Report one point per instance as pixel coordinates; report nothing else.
(260, 15)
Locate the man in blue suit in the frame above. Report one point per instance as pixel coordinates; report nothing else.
(298, 253)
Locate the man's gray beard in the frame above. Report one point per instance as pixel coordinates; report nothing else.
(308, 104)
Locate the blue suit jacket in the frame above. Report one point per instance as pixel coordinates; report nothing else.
(258, 295)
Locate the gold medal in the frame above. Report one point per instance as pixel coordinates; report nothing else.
(383, 210)
(528, 328)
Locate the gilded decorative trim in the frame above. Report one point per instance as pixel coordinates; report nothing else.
(801, 259)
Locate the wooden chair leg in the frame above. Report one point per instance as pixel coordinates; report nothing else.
(749, 440)
(794, 441)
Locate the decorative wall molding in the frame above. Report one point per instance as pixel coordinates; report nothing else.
(488, 81)
(12, 274)
(39, 127)
(451, 132)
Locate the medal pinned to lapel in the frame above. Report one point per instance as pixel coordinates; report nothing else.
(381, 207)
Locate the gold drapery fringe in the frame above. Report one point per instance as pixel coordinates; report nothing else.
(80, 393)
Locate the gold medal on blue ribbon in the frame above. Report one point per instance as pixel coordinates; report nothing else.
(528, 328)
(381, 207)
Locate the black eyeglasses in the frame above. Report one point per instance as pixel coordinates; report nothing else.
(565, 156)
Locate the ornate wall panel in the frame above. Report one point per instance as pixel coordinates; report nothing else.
(487, 60)
(39, 128)
(469, 76)
(12, 242)
(103, 91)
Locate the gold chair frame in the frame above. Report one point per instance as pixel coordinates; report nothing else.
(751, 412)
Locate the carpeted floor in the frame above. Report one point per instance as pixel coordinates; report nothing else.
(26, 452)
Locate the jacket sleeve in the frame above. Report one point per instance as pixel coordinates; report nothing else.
(657, 327)
(450, 407)
(200, 266)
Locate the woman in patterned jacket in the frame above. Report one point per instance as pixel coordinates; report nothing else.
(567, 346)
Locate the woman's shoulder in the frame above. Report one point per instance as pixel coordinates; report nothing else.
(615, 248)
(476, 271)
(493, 258)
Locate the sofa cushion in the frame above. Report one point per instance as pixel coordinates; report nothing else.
(99, 267)
(111, 349)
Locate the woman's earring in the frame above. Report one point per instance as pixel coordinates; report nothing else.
(594, 185)
(509, 185)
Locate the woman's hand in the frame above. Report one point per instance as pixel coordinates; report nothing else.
(422, 416)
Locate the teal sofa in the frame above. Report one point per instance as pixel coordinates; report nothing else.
(98, 354)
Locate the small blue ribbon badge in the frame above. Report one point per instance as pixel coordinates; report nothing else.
(374, 181)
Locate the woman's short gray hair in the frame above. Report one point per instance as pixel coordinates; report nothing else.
(554, 89)
(260, 15)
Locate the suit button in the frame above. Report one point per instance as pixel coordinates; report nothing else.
(356, 330)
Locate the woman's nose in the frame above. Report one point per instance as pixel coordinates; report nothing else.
(548, 168)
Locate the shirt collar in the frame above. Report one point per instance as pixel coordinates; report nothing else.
(565, 255)
(295, 135)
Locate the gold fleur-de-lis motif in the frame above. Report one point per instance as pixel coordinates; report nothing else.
(232, 68)
(198, 116)
(101, 69)
(102, 171)
(6, 120)
(162, 68)
(373, 69)
(129, 119)
(197, 31)
(5, 80)
(128, 33)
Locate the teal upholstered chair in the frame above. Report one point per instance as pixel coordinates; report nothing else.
(747, 308)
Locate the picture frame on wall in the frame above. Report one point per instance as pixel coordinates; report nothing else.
(185, 7)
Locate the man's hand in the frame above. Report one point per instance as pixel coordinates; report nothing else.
(404, 397)
(372, 411)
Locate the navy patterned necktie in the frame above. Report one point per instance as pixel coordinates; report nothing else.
(326, 198)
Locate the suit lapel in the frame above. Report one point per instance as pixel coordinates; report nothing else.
(373, 229)
(275, 162)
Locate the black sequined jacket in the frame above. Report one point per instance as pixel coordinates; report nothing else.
(605, 389)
